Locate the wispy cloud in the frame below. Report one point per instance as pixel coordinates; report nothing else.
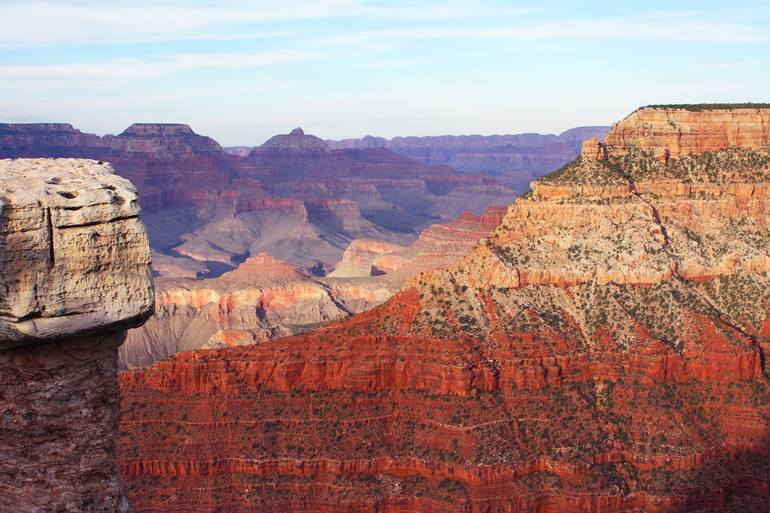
(49, 22)
(242, 60)
(727, 65)
(401, 63)
(28, 23)
(132, 69)
(684, 27)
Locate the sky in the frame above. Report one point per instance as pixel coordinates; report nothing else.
(241, 71)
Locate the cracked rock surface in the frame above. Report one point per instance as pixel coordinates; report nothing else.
(74, 256)
(74, 269)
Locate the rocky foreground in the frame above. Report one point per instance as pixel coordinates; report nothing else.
(75, 274)
(602, 350)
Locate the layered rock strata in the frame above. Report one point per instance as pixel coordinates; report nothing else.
(438, 245)
(602, 350)
(74, 265)
(293, 197)
(169, 163)
(265, 298)
(516, 159)
(686, 129)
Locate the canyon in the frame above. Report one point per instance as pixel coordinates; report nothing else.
(265, 298)
(301, 201)
(293, 197)
(514, 159)
(602, 349)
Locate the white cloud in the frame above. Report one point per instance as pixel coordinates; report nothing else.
(111, 70)
(30, 23)
(49, 22)
(239, 60)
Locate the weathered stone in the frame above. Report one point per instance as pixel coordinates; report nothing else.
(59, 408)
(74, 267)
(74, 255)
(696, 129)
(593, 149)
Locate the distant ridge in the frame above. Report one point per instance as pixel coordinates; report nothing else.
(517, 158)
(699, 107)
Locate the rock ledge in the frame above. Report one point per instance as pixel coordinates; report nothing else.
(74, 256)
(74, 268)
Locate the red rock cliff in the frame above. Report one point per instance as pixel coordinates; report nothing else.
(603, 350)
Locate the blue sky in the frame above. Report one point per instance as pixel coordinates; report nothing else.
(241, 71)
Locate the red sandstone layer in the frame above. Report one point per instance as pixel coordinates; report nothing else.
(602, 350)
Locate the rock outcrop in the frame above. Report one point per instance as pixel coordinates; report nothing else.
(74, 267)
(264, 298)
(261, 270)
(359, 257)
(688, 129)
(601, 351)
(295, 142)
(438, 245)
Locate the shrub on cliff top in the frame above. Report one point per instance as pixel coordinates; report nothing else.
(700, 107)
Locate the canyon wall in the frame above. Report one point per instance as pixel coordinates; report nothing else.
(602, 350)
(693, 129)
(74, 267)
(169, 163)
(262, 299)
(293, 197)
(438, 245)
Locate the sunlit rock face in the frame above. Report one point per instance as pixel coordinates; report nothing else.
(684, 130)
(602, 350)
(74, 267)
